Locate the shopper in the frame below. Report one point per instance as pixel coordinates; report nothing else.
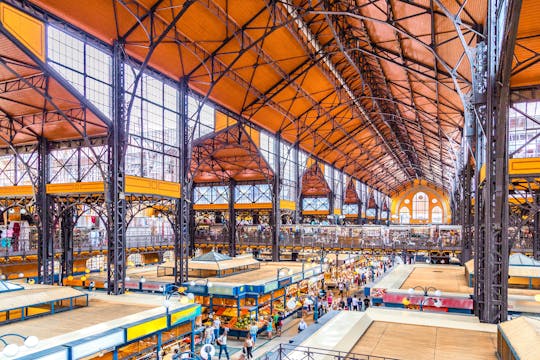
(367, 302)
(248, 345)
(208, 334)
(355, 303)
(253, 330)
(16, 234)
(349, 302)
(302, 325)
(216, 327)
(269, 324)
(222, 342)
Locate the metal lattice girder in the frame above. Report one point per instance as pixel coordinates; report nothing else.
(45, 211)
(491, 96)
(275, 221)
(341, 86)
(232, 219)
(465, 210)
(536, 232)
(116, 202)
(67, 226)
(377, 87)
(183, 226)
(29, 82)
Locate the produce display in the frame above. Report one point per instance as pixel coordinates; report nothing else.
(243, 323)
(265, 311)
(230, 312)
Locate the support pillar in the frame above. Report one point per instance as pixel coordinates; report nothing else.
(45, 211)
(232, 219)
(298, 185)
(331, 195)
(116, 202)
(466, 215)
(360, 212)
(182, 229)
(276, 194)
(491, 86)
(67, 225)
(536, 232)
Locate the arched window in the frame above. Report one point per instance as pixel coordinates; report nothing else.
(404, 215)
(436, 215)
(420, 206)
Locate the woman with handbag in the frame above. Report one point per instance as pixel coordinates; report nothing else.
(248, 346)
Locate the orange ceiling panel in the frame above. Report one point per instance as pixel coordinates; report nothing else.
(400, 100)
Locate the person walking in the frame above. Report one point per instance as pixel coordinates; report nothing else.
(248, 345)
(253, 330)
(222, 342)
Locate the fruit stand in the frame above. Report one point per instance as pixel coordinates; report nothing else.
(238, 303)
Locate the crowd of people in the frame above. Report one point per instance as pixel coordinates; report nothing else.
(342, 291)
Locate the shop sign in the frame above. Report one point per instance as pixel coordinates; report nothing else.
(198, 289)
(93, 344)
(297, 277)
(221, 290)
(184, 315)
(308, 273)
(152, 286)
(146, 328)
(271, 286)
(284, 282)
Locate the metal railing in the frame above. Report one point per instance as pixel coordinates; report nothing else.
(292, 352)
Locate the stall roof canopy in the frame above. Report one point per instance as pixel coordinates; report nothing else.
(229, 154)
(369, 86)
(520, 259)
(212, 256)
(216, 261)
(6, 286)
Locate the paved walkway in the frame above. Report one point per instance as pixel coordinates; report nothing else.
(289, 335)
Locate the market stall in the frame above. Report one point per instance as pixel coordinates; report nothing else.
(239, 300)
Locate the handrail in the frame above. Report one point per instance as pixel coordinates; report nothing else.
(289, 352)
